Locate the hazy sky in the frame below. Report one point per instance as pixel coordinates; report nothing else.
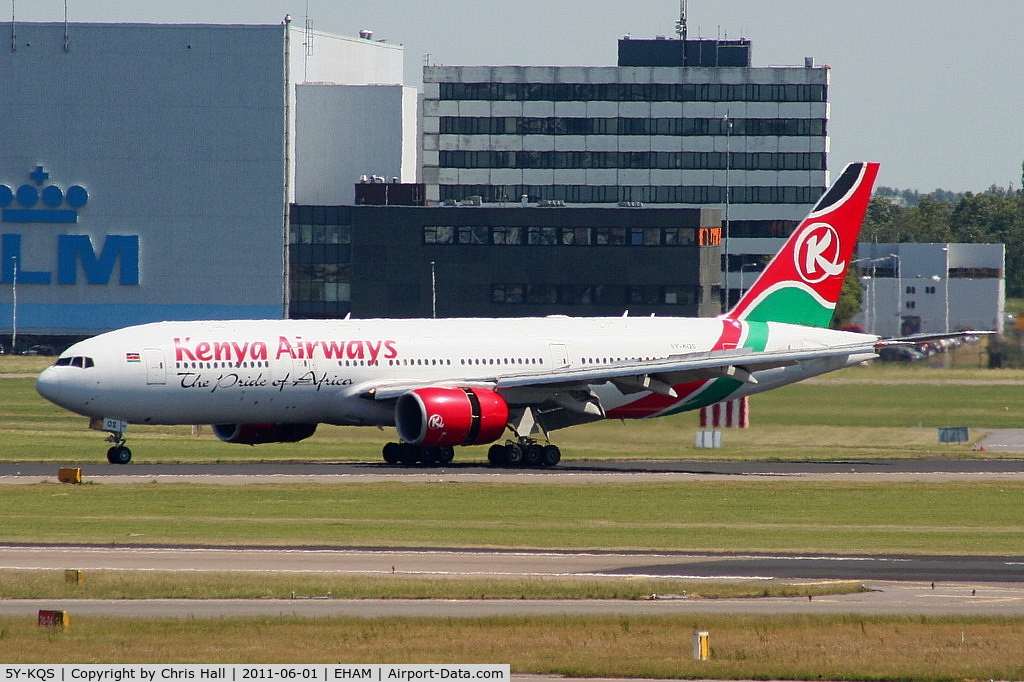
(933, 89)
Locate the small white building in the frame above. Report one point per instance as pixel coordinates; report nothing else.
(922, 288)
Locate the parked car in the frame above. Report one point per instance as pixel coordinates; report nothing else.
(41, 349)
(900, 354)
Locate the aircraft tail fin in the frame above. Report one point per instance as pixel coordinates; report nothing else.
(802, 282)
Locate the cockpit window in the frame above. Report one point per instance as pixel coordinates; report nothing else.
(75, 361)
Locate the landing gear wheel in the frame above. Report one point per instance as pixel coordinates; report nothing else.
(532, 455)
(445, 455)
(515, 455)
(427, 455)
(392, 453)
(497, 455)
(409, 455)
(550, 456)
(119, 454)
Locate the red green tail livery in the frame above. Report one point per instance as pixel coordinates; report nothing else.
(802, 282)
(506, 383)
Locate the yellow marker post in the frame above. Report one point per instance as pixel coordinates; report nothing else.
(701, 645)
(69, 475)
(56, 620)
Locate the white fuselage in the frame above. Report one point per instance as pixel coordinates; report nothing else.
(326, 371)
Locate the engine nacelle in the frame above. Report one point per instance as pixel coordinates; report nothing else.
(450, 416)
(254, 434)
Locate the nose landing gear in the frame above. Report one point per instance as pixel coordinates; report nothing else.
(119, 453)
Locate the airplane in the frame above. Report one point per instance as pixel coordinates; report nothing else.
(444, 383)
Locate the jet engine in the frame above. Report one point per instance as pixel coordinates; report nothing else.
(254, 434)
(450, 416)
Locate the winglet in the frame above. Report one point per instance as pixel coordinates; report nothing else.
(802, 282)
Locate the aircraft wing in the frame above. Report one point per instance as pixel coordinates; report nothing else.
(657, 376)
(915, 339)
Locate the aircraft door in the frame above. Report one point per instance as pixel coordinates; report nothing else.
(156, 368)
(559, 355)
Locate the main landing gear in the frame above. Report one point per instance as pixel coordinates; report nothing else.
(524, 452)
(409, 454)
(521, 453)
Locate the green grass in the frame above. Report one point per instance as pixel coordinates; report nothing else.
(762, 647)
(24, 364)
(769, 515)
(145, 584)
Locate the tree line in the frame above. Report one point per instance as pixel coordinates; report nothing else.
(995, 216)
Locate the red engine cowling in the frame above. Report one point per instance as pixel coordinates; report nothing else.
(254, 434)
(450, 416)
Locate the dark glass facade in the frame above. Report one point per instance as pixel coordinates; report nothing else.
(492, 261)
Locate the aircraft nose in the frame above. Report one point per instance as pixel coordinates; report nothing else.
(48, 384)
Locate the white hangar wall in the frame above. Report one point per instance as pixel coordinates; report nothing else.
(176, 133)
(146, 169)
(347, 131)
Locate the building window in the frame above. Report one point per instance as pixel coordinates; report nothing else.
(542, 236)
(610, 236)
(438, 234)
(675, 127)
(536, 159)
(592, 294)
(473, 235)
(508, 236)
(576, 236)
(304, 233)
(975, 273)
(679, 236)
(603, 194)
(634, 92)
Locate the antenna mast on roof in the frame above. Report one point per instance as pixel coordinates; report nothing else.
(681, 24)
(308, 44)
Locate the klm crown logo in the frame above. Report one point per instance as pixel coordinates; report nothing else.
(53, 198)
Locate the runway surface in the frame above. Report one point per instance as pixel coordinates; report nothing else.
(899, 584)
(569, 471)
(488, 563)
(885, 599)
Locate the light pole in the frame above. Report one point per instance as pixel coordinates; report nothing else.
(945, 277)
(945, 298)
(899, 295)
(728, 163)
(870, 317)
(869, 312)
(14, 304)
(742, 268)
(433, 289)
